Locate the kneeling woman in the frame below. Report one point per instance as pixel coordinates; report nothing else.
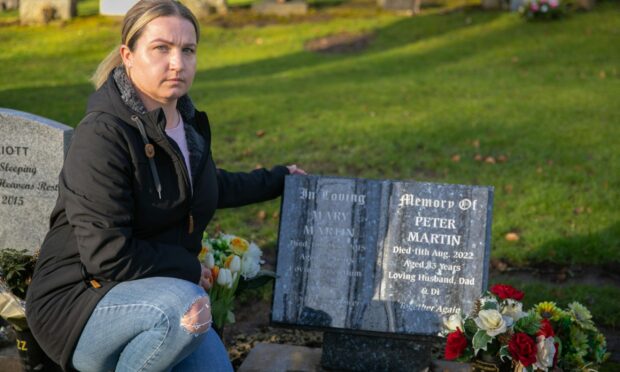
(118, 285)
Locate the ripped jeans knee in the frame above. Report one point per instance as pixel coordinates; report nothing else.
(197, 319)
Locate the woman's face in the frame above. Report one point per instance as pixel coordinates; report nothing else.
(163, 62)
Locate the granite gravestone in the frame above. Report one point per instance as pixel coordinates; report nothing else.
(32, 150)
(369, 257)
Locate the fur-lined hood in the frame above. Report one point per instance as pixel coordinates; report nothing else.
(119, 98)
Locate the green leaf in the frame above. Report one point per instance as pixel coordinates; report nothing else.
(490, 305)
(504, 353)
(529, 324)
(470, 327)
(481, 340)
(262, 278)
(230, 317)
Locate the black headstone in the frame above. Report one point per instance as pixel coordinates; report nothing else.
(379, 257)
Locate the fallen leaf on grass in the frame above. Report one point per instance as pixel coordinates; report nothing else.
(508, 189)
(489, 160)
(512, 237)
(456, 158)
(260, 133)
(261, 215)
(275, 215)
(478, 157)
(502, 158)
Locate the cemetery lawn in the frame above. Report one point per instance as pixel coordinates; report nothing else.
(454, 95)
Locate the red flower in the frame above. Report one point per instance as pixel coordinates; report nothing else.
(522, 348)
(455, 345)
(505, 291)
(545, 329)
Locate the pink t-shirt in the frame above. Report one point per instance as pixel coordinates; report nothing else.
(178, 135)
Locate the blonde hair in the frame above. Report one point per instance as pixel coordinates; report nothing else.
(134, 23)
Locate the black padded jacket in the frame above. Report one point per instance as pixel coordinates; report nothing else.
(120, 216)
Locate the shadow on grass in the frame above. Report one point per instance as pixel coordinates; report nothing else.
(399, 34)
(69, 101)
(588, 245)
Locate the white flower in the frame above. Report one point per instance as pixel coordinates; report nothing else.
(235, 264)
(453, 322)
(254, 251)
(209, 260)
(224, 278)
(492, 322)
(250, 266)
(513, 309)
(545, 353)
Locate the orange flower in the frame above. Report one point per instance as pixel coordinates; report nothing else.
(214, 272)
(239, 246)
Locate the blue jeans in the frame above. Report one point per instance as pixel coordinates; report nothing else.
(137, 326)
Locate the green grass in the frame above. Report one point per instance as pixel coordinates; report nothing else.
(542, 94)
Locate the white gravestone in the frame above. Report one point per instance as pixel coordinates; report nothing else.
(32, 151)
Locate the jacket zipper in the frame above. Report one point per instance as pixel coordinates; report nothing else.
(188, 185)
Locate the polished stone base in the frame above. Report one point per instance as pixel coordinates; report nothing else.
(285, 358)
(281, 358)
(369, 353)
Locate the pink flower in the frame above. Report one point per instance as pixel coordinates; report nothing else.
(534, 7)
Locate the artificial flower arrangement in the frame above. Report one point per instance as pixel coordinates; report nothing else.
(235, 265)
(541, 339)
(16, 268)
(541, 9)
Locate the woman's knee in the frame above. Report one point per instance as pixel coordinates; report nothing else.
(184, 304)
(192, 306)
(197, 318)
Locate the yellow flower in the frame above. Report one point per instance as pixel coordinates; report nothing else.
(203, 254)
(548, 310)
(239, 246)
